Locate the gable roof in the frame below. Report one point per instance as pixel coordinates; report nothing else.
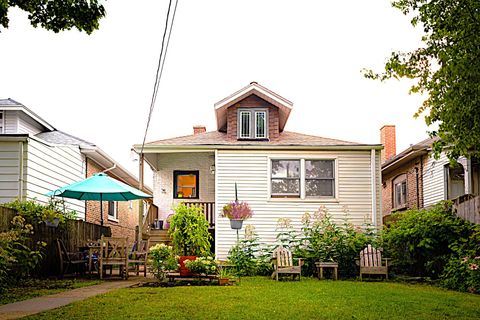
(10, 104)
(60, 137)
(216, 139)
(284, 105)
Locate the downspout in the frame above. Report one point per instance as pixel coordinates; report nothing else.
(418, 191)
(20, 171)
(111, 168)
(421, 175)
(373, 183)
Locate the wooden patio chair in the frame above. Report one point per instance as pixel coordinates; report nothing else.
(70, 260)
(371, 262)
(139, 256)
(283, 263)
(113, 252)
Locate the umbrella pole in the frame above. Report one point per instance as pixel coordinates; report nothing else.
(101, 210)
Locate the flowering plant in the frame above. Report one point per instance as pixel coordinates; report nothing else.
(237, 210)
(202, 265)
(162, 260)
(462, 274)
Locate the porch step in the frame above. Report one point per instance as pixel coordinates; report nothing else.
(159, 236)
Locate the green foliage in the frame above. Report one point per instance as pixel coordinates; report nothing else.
(57, 15)
(446, 69)
(421, 242)
(161, 259)
(189, 231)
(202, 265)
(37, 213)
(17, 258)
(462, 274)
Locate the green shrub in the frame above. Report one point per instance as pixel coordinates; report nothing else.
(462, 274)
(37, 213)
(17, 259)
(421, 242)
(161, 259)
(202, 265)
(189, 231)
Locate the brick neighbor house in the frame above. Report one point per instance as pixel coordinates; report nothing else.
(280, 174)
(36, 158)
(415, 179)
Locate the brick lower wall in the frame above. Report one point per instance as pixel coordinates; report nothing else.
(410, 169)
(127, 214)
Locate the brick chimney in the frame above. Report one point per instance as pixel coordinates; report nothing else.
(388, 139)
(199, 129)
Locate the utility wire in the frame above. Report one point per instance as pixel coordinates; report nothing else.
(161, 63)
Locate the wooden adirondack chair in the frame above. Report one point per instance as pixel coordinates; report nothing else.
(283, 263)
(113, 252)
(138, 256)
(371, 262)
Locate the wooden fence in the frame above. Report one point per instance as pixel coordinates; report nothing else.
(469, 209)
(75, 233)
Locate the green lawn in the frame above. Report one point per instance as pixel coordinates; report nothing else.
(35, 288)
(262, 298)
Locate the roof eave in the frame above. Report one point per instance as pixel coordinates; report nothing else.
(409, 156)
(30, 113)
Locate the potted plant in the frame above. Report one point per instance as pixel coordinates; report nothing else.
(237, 212)
(189, 233)
(51, 217)
(223, 277)
(202, 266)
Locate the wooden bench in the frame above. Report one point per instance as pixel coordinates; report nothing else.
(371, 262)
(283, 263)
(321, 265)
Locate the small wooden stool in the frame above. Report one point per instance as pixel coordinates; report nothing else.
(320, 265)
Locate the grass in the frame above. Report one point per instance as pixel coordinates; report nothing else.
(262, 298)
(35, 288)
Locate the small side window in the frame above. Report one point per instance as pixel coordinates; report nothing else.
(185, 184)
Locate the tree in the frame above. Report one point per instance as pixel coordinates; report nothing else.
(57, 15)
(446, 68)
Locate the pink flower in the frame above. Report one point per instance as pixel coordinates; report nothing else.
(465, 259)
(477, 258)
(473, 266)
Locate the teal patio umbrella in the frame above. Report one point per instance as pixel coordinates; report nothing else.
(99, 187)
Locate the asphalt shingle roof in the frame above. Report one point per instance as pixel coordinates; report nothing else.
(60, 137)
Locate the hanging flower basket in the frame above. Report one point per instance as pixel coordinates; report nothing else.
(237, 211)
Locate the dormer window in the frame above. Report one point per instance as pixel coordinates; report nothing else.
(252, 124)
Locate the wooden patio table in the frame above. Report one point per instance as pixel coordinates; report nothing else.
(322, 264)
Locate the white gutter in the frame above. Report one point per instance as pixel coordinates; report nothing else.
(373, 186)
(20, 171)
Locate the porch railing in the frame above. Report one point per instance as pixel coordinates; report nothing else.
(468, 208)
(149, 217)
(208, 210)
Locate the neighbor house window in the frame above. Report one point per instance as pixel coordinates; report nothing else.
(319, 178)
(112, 210)
(1, 122)
(400, 191)
(455, 181)
(285, 178)
(303, 178)
(185, 184)
(252, 124)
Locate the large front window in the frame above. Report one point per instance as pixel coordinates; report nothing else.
(185, 184)
(303, 178)
(252, 124)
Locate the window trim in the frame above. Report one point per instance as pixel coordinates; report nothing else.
(186, 172)
(115, 211)
(302, 197)
(253, 123)
(399, 179)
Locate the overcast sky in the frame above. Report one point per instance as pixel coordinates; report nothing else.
(99, 87)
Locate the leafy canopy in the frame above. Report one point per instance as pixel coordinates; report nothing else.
(57, 15)
(447, 69)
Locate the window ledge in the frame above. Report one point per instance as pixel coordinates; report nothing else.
(112, 219)
(306, 200)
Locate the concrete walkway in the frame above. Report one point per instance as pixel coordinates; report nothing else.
(36, 305)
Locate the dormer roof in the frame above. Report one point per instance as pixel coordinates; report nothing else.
(10, 104)
(284, 105)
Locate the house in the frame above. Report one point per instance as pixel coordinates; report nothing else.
(415, 179)
(36, 158)
(280, 174)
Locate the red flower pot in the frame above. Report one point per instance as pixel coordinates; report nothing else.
(184, 271)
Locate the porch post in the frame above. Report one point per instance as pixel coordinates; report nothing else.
(140, 202)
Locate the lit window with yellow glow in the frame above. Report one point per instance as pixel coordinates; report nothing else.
(185, 184)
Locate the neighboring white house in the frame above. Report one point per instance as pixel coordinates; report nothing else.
(35, 158)
(280, 174)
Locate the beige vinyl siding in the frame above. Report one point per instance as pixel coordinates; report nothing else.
(51, 167)
(434, 180)
(28, 125)
(163, 179)
(10, 154)
(250, 170)
(11, 122)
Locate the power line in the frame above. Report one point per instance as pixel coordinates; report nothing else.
(161, 63)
